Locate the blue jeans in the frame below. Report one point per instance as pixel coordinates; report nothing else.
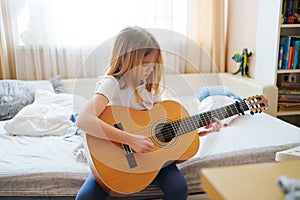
(169, 179)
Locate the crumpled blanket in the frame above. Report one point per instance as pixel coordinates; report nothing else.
(74, 134)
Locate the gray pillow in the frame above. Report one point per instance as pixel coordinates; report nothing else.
(15, 94)
(57, 85)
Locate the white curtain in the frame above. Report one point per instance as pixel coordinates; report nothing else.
(207, 27)
(73, 38)
(42, 38)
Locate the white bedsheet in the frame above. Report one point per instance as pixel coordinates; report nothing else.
(42, 165)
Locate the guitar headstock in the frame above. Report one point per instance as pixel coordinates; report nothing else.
(256, 104)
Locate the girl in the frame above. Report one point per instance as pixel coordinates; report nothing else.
(136, 68)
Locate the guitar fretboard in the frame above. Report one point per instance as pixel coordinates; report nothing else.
(194, 122)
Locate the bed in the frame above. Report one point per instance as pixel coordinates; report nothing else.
(52, 166)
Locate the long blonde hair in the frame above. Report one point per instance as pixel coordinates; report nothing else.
(132, 44)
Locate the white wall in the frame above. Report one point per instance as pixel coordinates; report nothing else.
(242, 28)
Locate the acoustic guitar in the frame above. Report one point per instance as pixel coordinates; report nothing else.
(121, 171)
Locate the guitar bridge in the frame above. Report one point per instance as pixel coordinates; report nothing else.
(127, 150)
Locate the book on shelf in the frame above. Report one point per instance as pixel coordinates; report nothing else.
(288, 98)
(280, 57)
(291, 57)
(295, 64)
(289, 48)
(287, 85)
(288, 91)
(288, 106)
(290, 8)
(286, 95)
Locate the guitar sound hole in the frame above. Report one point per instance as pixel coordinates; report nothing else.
(164, 132)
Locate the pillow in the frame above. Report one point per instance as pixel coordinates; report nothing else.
(217, 101)
(15, 94)
(57, 85)
(190, 103)
(47, 115)
(216, 90)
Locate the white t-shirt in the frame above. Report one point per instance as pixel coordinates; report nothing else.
(112, 89)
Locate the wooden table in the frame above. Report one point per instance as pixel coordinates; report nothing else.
(252, 181)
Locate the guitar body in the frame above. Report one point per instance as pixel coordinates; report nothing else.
(122, 172)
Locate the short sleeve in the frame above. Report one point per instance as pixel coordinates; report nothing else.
(107, 86)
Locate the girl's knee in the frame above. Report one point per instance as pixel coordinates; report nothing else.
(90, 190)
(177, 191)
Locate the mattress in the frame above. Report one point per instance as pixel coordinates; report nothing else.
(39, 166)
(46, 166)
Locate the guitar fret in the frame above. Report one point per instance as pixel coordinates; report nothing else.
(174, 125)
(207, 118)
(231, 110)
(201, 124)
(236, 109)
(191, 123)
(222, 113)
(186, 124)
(181, 126)
(195, 125)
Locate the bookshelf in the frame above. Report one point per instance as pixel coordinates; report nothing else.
(269, 39)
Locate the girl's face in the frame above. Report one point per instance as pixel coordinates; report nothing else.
(148, 64)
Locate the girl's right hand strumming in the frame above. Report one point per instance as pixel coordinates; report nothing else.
(140, 144)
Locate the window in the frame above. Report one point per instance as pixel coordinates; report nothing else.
(90, 22)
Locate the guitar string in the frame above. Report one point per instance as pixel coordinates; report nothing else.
(181, 125)
(221, 113)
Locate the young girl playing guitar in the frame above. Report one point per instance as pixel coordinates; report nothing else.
(136, 68)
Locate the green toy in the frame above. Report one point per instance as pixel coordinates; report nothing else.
(242, 58)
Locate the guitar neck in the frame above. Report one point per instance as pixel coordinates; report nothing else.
(194, 122)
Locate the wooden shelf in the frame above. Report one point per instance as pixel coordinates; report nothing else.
(290, 26)
(269, 32)
(284, 71)
(285, 113)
